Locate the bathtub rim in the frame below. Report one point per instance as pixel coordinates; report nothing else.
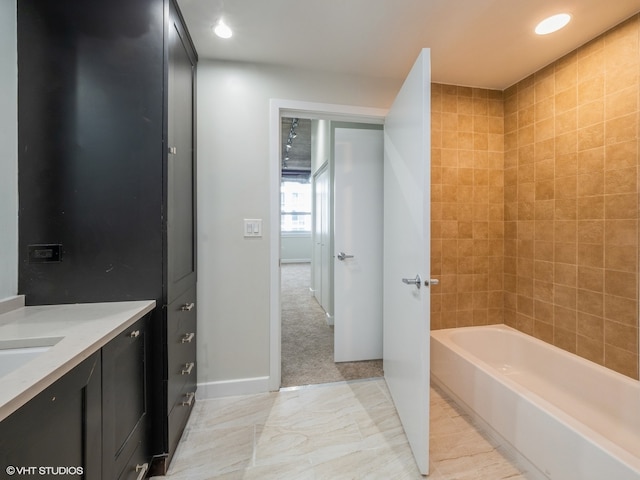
(447, 332)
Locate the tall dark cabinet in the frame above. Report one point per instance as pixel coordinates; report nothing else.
(106, 132)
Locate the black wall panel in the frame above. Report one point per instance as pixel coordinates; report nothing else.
(91, 149)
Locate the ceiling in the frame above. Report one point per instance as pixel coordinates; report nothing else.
(478, 43)
(298, 157)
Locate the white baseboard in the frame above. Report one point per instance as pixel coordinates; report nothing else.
(229, 388)
(329, 319)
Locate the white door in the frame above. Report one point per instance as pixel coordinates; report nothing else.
(407, 164)
(358, 154)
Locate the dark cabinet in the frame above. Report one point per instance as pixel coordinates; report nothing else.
(181, 165)
(181, 351)
(59, 429)
(107, 174)
(93, 420)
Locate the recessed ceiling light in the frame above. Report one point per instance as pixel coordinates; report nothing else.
(552, 24)
(222, 29)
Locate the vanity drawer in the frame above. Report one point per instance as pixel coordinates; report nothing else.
(179, 415)
(182, 375)
(181, 347)
(137, 465)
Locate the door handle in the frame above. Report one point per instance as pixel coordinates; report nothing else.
(342, 256)
(413, 281)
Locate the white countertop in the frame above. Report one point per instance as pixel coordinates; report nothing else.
(79, 329)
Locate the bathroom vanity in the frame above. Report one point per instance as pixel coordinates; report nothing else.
(76, 402)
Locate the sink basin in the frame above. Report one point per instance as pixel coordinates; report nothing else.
(14, 355)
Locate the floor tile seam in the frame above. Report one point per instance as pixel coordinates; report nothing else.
(232, 400)
(327, 385)
(340, 440)
(309, 420)
(390, 457)
(223, 427)
(479, 458)
(478, 438)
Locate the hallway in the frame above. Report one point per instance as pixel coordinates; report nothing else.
(307, 340)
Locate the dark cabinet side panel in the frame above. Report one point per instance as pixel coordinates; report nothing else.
(90, 110)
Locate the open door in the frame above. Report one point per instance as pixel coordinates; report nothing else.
(357, 270)
(406, 264)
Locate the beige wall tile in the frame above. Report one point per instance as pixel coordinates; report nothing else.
(548, 242)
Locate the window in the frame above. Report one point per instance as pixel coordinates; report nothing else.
(295, 206)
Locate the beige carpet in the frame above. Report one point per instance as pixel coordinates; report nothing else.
(307, 340)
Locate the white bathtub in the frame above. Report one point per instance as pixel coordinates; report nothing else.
(567, 416)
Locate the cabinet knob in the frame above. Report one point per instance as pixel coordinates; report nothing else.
(187, 307)
(189, 398)
(188, 337)
(187, 368)
(142, 468)
(135, 334)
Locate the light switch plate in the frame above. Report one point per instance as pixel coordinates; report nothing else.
(252, 227)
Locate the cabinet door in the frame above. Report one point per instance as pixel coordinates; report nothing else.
(181, 161)
(58, 428)
(125, 401)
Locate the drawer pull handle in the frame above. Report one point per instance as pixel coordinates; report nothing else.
(187, 307)
(187, 368)
(142, 468)
(135, 334)
(189, 398)
(188, 337)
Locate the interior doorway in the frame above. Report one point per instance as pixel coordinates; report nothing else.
(279, 108)
(306, 284)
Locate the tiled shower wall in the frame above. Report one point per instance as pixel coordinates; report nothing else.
(571, 201)
(467, 206)
(548, 170)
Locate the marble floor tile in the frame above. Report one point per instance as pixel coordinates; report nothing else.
(346, 430)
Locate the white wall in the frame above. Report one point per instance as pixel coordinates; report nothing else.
(295, 247)
(8, 150)
(233, 183)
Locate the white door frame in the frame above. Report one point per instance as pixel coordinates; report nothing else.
(292, 108)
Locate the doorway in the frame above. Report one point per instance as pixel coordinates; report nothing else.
(307, 268)
(406, 246)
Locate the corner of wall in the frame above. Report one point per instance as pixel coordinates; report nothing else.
(9, 156)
